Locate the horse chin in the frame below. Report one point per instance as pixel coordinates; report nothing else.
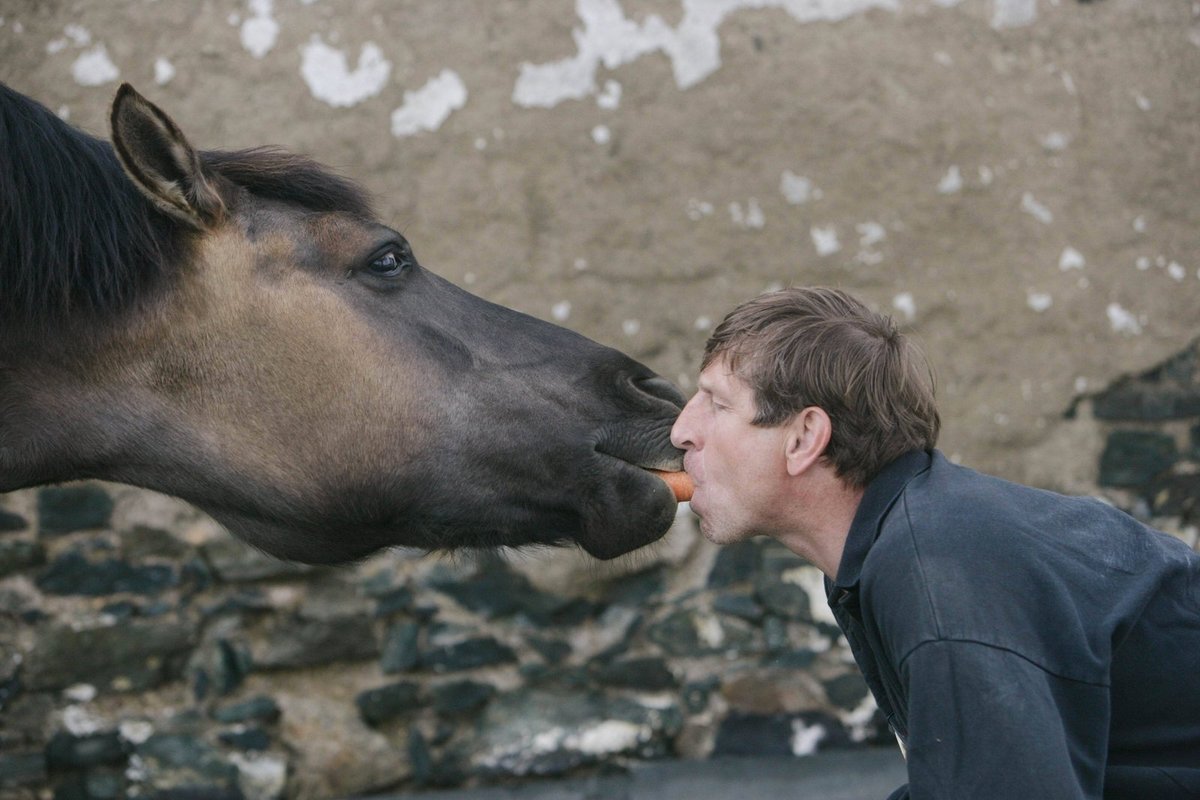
(629, 510)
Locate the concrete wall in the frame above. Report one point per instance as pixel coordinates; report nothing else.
(1018, 181)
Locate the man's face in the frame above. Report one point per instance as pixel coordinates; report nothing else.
(739, 468)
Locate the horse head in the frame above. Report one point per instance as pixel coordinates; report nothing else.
(286, 364)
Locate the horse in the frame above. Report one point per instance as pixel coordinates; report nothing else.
(239, 329)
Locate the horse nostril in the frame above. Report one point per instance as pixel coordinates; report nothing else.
(662, 389)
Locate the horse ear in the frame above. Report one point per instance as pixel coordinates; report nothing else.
(161, 163)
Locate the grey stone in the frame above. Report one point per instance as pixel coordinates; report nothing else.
(22, 769)
(94, 784)
(394, 601)
(400, 650)
(738, 605)
(294, 641)
(68, 751)
(72, 574)
(387, 702)
(171, 762)
(846, 691)
(735, 563)
(130, 654)
(256, 709)
(249, 739)
(63, 509)
(764, 735)
(144, 541)
(550, 732)
(12, 522)
(1133, 458)
(646, 674)
(495, 591)
(484, 651)
(783, 598)
(461, 697)
(19, 554)
(552, 650)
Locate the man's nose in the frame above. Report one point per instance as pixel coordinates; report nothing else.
(682, 434)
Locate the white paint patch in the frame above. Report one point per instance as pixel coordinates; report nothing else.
(164, 71)
(261, 30)
(703, 323)
(986, 176)
(581, 264)
(630, 327)
(1055, 141)
(1139, 224)
(805, 739)
(943, 58)
(951, 182)
(561, 310)
(80, 722)
(80, 693)
(694, 47)
(431, 105)
(94, 67)
(1081, 384)
(1142, 263)
(1068, 83)
(601, 134)
(1122, 321)
(825, 240)
(869, 235)
(610, 98)
(1071, 259)
(812, 581)
(1142, 101)
(709, 630)
(797, 189)
(331, 80)
(1039, 301)
(64, 113)
(1013, 13)
(1176, 271)
(1030, 205)
(610, 736)
(751, 217)
(260, 776)
(946, 3)
(135, 731)
(905, 304)
(698, 209)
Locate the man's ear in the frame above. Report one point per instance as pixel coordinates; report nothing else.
(808, 436)
(160, 162)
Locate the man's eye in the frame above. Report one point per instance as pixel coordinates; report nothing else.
(389, 265)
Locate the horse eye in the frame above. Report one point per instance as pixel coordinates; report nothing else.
(389, 265)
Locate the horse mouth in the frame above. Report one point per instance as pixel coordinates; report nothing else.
(628, 507)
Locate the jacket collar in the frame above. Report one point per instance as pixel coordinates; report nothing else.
(877, 500)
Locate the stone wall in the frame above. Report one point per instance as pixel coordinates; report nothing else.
(1015, 180)
(147, 653)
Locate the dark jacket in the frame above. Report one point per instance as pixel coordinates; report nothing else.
(1021, 643)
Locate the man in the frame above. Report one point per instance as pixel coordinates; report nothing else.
(1022, 644)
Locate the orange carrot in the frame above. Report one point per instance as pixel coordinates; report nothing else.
(680, 483)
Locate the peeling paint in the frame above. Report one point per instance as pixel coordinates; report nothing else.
(431, 105)
(951, 182)
(261, 30)
(94, 67)
(1039, 301)
(797, 189)
(694, 48)
(164, 71)
(330, 78)
(1013, 13)
(1123, 321)
(1030, 205)
(825, 240)
(905, 304)
(1071, 259)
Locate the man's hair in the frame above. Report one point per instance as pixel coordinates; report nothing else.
(802, 347)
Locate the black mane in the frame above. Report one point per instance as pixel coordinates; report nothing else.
(76, 236)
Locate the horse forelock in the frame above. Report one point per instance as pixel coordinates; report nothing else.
(75, 235)
(276, 174)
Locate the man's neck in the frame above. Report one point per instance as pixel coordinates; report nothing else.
(825, 509)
